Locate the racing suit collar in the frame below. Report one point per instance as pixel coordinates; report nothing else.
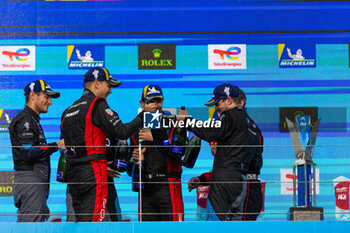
(237, 108)
(88, 92)
(31, 112)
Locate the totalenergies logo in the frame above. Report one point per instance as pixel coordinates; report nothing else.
(20, 54)
(231, 53)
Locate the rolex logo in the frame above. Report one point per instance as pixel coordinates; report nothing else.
(156, 53)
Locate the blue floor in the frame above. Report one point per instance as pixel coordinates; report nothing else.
(183, 227)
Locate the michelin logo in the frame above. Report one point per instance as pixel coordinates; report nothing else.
(6, 116)
(297, 56)
(85, 56)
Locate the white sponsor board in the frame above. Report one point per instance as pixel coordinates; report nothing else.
(17, 58)
(287, 181)
(227, 56)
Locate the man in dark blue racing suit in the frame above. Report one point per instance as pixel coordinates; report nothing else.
(233, 156)
(31, 154)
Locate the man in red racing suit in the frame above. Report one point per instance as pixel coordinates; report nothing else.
(84, 128)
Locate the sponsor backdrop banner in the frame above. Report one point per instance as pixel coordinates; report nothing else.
(225, 57)
(341, 189)
(17, 58)
(202, 200)
(157, 57)
(297, 55)
(292, 112)
(85, 56)
(6, 183)
(287, 181)
(6, 116)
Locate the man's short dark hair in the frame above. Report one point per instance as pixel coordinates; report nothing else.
(87, 85)
(242, 96)
(236, 100)
(27, 96)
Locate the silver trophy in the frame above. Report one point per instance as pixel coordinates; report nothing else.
(299, 133)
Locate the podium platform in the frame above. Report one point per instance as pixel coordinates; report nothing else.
(176, 227)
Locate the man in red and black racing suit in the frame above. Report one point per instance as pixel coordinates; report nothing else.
(84, 128)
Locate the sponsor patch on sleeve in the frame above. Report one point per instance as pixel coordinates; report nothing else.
(109, 112)
(26, 125)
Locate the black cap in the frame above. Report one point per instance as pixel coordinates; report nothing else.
(223, 91)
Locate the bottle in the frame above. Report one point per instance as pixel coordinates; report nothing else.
(160, 138)
(178, 140)
(121, 155)
(191, 152)
(136, 184)
(62, 167)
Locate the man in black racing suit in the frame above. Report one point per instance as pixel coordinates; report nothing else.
(162, 194)
(31, 154)
(254, 197)
(232, 158)
(84, 128)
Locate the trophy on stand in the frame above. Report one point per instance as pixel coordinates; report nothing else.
(303, 137)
